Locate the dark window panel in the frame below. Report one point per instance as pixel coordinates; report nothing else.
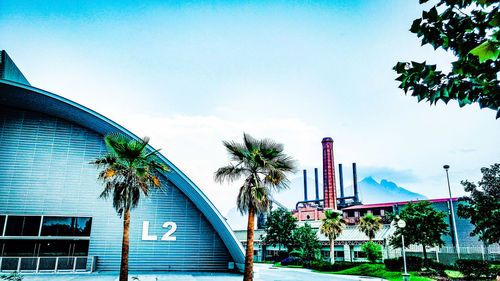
(15, 248)
(14, 226)
(81, 248)
(66, 226)
(83, 226)
(57, 226)
(55, 248)
(31, 225)
(2, 223)
(22, 226)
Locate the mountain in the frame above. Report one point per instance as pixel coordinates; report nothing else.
(371, 191)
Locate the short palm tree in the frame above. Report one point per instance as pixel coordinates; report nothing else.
(332, 226)
(264, 166)
(127, 171)
(370, 225)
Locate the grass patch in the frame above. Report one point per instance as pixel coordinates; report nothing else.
(453, 274)
(278, 264)
(377, 270)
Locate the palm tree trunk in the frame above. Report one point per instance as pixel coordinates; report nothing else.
(332, 251)
(125, 247)
(248, 275)
(425, 252)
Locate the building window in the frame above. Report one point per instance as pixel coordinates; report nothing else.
(359, 255)
(376, 212)
(338, 254)
(272, 253)
(22, 226)
(66, 226)
(17, 248)
(2, 223)
(350, 214)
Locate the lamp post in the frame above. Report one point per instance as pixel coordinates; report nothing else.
(446, 167)
(402, 224)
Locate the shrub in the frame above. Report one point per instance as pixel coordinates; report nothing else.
(292, 261)
(14, 276)
(373, 251)
(434, 266)
(473, 268)
(412, 264)
(393, 264)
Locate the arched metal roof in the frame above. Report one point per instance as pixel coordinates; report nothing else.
(27, 97)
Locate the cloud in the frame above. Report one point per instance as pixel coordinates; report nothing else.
(399, 176)
(194, 144)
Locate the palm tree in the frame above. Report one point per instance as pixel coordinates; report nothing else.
(370, 225)
(264, 166)
(332, 226)
(127, 170)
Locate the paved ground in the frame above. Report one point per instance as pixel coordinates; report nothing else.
(263, 272)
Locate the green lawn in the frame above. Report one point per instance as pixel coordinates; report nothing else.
(378, 270)
(278, 264)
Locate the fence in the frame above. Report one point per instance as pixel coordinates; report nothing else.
(66, 264)
(449, 255)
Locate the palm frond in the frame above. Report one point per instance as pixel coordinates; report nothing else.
(250, 143)
(127, 171)
(228, 173)
(265, 167)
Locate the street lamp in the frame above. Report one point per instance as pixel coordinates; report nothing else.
(402, 224)
(446, 167)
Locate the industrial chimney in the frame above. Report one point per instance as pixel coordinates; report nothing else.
(355, 181)
(329, 188)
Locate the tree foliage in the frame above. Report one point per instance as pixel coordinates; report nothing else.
(370, 225)
(482, 207)
(373, 251)
(332, 226)
(471, 30)
(279, 230)
(424, 225)
(264, 166)
(127, 171)
(306, 243)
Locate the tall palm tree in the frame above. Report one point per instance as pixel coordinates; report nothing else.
(332, 226)
(264, 166)
(127, 171)
(370, 225)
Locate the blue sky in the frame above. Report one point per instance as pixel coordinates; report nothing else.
(192, 74)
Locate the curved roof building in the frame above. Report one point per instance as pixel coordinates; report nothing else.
(50, 215)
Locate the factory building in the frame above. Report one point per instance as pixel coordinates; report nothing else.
(51, 219)
(348, 244)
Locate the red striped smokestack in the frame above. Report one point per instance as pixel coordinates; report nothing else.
(329, 189)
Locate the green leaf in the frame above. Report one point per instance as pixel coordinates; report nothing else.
(495, 21)
(487, 50)
(415, 26)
